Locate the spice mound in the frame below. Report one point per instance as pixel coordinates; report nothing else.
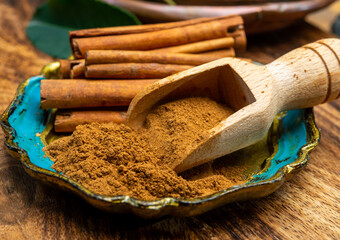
(113, 159)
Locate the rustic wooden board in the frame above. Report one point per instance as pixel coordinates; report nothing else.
(306, 207)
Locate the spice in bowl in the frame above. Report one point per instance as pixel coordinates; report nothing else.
(113, 159)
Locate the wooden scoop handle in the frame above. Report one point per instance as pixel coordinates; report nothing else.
(309, 75)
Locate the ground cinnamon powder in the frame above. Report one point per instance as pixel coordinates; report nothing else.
(113, 159)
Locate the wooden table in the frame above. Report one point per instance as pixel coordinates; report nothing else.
(306, 207)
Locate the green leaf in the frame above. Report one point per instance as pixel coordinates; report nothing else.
(48, 29)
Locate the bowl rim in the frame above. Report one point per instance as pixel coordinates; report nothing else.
(279, 177)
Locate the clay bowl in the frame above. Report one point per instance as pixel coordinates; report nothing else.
(259, 15)
(277, 157)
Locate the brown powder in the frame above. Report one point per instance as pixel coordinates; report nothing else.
(112, 159)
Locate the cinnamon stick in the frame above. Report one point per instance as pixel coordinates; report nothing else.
(78, 70)
(66, 66)
(75, 69)
(157, 39)
(240, 39)
(221, 53)
(68, 120)
(95, 32)
(79, 93)
(133, 70)
(116, 56)
(198, 47)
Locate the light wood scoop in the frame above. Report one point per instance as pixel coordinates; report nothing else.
(302, 78)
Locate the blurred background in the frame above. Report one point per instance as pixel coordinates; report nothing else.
(327, 19)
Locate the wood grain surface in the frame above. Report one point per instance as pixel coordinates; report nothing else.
(306, 207)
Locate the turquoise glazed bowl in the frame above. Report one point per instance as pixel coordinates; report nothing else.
(280, 155)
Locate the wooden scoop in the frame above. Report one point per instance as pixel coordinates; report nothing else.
(302, 78)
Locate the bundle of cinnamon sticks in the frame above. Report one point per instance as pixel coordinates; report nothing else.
(111, 65)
